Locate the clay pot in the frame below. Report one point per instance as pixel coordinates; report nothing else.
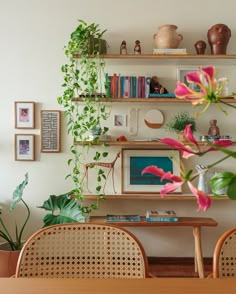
(8, 262)
(218, 38)
(167, 37)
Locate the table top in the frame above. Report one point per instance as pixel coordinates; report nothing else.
(117, 286)
(183, 221)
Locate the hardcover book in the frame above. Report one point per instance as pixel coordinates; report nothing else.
(162, 219)
(123, 218)
(160, 213)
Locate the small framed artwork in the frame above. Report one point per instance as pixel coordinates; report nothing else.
(24, 147)
(120, 120)
(24, 114)
(50, 131)
(181, 77)
(135, 160)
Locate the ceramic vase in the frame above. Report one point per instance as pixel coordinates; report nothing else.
(167, 37)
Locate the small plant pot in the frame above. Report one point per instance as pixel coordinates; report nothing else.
(182, 137)
(8, 262)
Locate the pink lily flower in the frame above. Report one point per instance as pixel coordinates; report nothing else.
(203, 200)
(210, 89)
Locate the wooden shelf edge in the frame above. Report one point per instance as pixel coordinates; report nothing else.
(230, 99)
(150, 197)
(164, 56)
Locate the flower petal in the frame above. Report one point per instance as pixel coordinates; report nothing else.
(203, 200)
(170, 187)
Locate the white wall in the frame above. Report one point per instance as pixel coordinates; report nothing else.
(33, 33)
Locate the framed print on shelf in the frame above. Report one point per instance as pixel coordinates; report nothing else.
(24, 114)
(24, 147)
(50, 131)
(182, 71)
(135, 160)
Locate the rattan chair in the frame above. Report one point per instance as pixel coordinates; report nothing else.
(224, 257)
(82, 250)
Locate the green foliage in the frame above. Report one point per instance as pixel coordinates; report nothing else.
(178, 122)
(16, 243)
(84, 77)
(63, 208)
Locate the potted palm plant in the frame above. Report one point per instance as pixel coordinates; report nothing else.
(10, 249)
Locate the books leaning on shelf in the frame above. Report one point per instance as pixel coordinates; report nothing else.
(123, 218)
(170, 51)
(161, 216)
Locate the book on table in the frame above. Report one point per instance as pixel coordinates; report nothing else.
(161, 216)
(123, 218)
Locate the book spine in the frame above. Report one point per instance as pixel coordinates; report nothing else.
(162, 219)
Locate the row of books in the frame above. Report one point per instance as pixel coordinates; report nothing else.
(151, 216)
(119, 86)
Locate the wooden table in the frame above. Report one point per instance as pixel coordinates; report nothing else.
(117, 286)
(195, 222)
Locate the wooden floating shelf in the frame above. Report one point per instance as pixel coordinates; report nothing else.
(165, 56)
(229, 99)
(151, 197)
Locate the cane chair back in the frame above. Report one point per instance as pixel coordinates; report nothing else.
(224, 257)
(82, 250)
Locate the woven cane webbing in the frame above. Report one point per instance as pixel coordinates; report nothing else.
(224, 259)
(82, 251)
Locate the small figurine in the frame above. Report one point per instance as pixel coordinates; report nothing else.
(137, 47)
(200, 47)
(123, 49)
(156, 87)
(213, 130)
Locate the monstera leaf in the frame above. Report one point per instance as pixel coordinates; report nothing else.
(63, 210)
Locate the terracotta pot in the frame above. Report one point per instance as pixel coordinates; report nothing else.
(167, 37)
(8, 262)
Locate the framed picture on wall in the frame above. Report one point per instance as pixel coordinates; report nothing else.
(180, 76)
(24, 147)
(135, 160)
(24, 114)
(50, 131)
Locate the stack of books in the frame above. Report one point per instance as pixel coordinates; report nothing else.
(123, 218)
(170, 51)
(161, 216)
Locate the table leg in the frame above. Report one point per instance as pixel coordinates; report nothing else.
(198, 251)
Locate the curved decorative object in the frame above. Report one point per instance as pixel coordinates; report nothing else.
(154, 119)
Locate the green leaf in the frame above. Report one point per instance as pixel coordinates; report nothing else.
(231, 191)
(67, 209)
(18, 193)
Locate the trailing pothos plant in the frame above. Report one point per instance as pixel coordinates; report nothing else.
(84, 78)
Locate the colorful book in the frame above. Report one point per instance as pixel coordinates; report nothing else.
(160, 213)
(123, 218)
(162, 219)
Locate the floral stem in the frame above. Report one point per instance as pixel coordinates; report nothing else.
(228, 104)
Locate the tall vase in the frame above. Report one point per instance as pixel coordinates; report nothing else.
(167, 37)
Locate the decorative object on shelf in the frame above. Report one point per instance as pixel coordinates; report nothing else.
(156, 87)
(209, 138)
(200, 47)
(225, 89)
(135, 160)
(50, 131)
(218, 38)
(137, 47)
(24, 147)
(203, 178)
(167, 37)
(181, 77)
(109, 165)
(178, 122)
(24, 114)
(120, 120)
(123, 48)
(214, 129)
(121, 139)
(154, 119)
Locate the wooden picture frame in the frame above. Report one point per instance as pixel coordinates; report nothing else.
(133, 161)
(50, 131)
(24, 114)
(25, 147)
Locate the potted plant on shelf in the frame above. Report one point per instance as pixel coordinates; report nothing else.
(84, 85)
(178, 122)
(10, 250)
